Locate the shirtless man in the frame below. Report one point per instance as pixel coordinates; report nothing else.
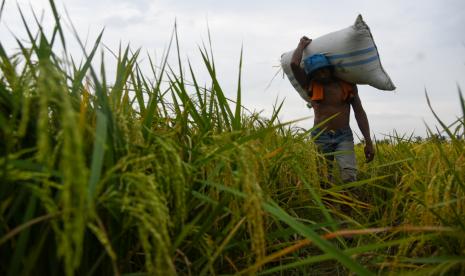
(331, 96)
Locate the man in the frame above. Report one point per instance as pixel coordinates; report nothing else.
(332, 97)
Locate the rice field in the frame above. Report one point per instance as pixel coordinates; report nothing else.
(158, 174)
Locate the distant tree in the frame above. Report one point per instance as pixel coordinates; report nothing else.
(436, 138)
(385, 141)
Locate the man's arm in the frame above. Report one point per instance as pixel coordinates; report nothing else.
(299, 73)
(362, 122)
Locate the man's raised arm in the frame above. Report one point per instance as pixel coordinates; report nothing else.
(299, 73)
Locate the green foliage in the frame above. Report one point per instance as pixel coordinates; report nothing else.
(166, 177)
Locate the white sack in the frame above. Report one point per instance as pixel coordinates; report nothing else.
(353, 52)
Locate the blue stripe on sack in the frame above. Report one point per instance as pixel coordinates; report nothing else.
(360, 62)
(351, 54)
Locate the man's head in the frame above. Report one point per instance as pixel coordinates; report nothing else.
(318, 68)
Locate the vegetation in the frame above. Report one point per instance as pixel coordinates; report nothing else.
(162, 175)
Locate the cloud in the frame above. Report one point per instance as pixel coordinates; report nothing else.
(420, 43)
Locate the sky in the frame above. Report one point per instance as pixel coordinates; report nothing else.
(421, 45)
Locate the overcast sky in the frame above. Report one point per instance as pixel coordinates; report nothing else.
(421, 44)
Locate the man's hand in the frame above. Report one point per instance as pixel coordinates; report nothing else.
(369, 151)
(304, 41)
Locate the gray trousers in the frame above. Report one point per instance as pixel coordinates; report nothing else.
(338, 144)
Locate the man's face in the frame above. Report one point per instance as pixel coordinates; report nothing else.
(323, 75)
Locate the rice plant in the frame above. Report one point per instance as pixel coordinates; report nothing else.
(158, 174)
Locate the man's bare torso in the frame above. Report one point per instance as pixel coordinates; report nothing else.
(332, 104)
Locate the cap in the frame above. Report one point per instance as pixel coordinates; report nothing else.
(315, 62)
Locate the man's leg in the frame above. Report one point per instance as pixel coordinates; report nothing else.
(346, 161)
(347, 168)
(326, 147)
